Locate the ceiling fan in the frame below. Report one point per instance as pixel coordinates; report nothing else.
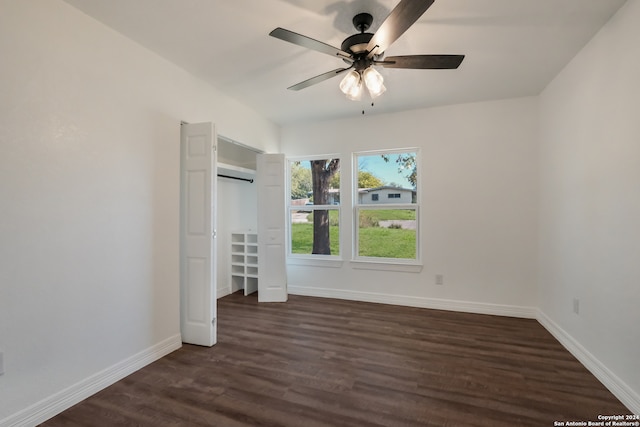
(364, 50)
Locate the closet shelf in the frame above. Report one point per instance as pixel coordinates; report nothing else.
(236, 171)
(244, 261)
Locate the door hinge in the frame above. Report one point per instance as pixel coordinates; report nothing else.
(214, 234)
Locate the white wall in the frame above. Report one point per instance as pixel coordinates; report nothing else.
(478, 186)
(89, 196)
(590, 199)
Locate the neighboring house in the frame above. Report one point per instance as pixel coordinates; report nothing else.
(385, 194)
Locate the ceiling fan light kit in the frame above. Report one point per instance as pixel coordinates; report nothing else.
(363, 51)
(374, 82)
(351, 85)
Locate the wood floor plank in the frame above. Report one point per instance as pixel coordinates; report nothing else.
(316, 362)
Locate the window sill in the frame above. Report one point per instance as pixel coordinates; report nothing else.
(386, 266)
(315, 262)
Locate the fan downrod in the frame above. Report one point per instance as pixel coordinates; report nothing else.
(357, 43)
(362, 21)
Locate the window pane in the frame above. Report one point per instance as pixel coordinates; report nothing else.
(387, 233)
(325, 173)
(387, 178)
(327, 234)
(315, 183)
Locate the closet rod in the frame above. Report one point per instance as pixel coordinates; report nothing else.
(235, 177)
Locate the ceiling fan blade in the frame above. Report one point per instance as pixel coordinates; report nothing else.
(318, 79)
(423, 62)
(399, 20)
(309, 43)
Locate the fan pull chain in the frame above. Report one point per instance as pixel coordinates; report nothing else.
(372, 104)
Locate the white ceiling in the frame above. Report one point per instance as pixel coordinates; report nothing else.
(513, 48)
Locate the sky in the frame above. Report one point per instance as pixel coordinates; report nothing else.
(386, 171)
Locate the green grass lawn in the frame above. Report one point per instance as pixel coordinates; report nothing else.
(387, 243)
(374, 241)
(388, 214)
(302, 239)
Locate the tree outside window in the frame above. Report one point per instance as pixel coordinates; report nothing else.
(314, 207)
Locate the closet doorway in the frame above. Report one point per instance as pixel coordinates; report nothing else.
(220, 195)
(237, 216)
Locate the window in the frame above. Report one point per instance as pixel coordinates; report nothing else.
(386, 206)
(314, 207)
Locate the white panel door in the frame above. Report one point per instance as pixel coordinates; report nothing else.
(272, 273)
(197, 234)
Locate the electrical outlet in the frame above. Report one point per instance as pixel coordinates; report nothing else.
(576, 306)
(439, 279)
(1, 363)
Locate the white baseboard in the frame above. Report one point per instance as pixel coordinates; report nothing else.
(619, 388)
(223, 291)
(64, 399)
(433, 303)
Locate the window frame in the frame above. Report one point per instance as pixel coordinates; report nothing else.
(384, 263)
(314, 259)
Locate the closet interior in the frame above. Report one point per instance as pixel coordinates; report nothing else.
(237, 217)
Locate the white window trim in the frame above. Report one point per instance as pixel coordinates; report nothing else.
(412, 267)
(379, 263)
(313, 260)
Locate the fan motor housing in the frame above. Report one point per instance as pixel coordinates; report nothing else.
(356, 43)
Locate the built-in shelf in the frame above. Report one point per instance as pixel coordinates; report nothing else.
(244, 261)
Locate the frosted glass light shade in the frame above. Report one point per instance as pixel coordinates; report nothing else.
(351, 85)
(374, 82)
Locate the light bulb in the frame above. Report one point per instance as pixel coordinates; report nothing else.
(351, 85)
(374, 82)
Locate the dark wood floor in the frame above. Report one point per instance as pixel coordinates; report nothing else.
(322, 362)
